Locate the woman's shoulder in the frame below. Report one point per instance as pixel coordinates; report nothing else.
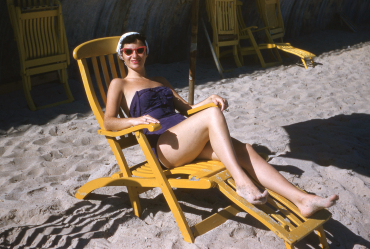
(159, 79)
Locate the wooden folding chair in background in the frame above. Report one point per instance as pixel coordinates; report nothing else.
(246, 33)
(42, 44)
(222, 16)
(270, 13)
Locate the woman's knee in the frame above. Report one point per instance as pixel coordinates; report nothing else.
(213, 113)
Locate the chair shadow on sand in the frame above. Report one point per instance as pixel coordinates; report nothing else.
(87, 221)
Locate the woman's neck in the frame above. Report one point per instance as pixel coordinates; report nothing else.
(136, 74)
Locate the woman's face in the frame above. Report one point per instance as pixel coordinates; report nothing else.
(134, 60)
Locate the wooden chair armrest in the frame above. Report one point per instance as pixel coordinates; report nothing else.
(198, 109)
(251, 27)
(257, 30)
(151, 127)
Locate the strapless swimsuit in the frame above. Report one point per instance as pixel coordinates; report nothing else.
(158, 103)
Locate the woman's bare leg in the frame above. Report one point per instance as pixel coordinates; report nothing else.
(270, 178)
(184, 142)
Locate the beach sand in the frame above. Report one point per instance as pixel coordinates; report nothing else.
(314, 123)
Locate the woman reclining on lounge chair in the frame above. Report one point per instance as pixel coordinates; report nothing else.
(204, 135)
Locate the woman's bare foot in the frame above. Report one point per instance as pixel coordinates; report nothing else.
(312, 203)
(252, 194)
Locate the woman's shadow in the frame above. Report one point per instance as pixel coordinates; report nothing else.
(342, 141)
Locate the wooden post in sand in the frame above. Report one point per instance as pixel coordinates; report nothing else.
(193, 49)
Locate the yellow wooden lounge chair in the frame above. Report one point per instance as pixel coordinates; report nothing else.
(42, 45)
(279, 215)
(270, 13)
(222, 15)
(246, 33)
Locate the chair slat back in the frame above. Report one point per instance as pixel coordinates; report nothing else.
(226, 17)
(41, 33)
(38, 28)
(271, 14)
(100, 56)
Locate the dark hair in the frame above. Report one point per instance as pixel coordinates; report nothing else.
(133, 38)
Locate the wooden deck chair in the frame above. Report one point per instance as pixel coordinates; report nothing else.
(42, 44)
(246, 33)
(270, 13)
(222, 15)
(279, 215)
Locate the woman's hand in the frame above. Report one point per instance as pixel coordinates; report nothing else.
(221, 102)
(146, 119)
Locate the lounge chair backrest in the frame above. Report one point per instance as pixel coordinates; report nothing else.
(225, 10)
(271, 15)
(41, 33)
(100, 56)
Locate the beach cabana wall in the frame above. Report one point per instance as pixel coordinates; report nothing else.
(167, 25)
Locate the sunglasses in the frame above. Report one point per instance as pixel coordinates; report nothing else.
(130, 51)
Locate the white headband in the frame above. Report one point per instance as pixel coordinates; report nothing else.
(123, 37)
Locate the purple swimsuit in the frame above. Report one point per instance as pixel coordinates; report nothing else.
(158, 103)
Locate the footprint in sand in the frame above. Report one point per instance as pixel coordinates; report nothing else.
(42, 141)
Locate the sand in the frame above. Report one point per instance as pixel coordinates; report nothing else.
(314, 123)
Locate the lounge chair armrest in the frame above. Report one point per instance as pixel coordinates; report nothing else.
(198, 109)
(151, 127)
(257, 30)
(251, 27)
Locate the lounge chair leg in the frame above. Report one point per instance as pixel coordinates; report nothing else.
(64, 79)
(258, 52)
(313, 63)
(289, 246)
(167, 191)
(241, 59)
(304, 63)
(26, 81)
(132, 191)
(236, 56)
(321, 233)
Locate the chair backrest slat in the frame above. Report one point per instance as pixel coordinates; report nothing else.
(121, 66)
(54, 37)
(44, 50)
(38, 46)
(105, 70)
(112, 66)
(98, 79)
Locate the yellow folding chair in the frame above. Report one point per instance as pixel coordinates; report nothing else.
(279, 215)
(42, 44)
(270, 13)
(246, 33)
(222, 15)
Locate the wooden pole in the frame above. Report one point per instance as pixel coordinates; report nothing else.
(193, 49)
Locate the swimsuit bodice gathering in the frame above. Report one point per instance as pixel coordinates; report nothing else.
(158, 103)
